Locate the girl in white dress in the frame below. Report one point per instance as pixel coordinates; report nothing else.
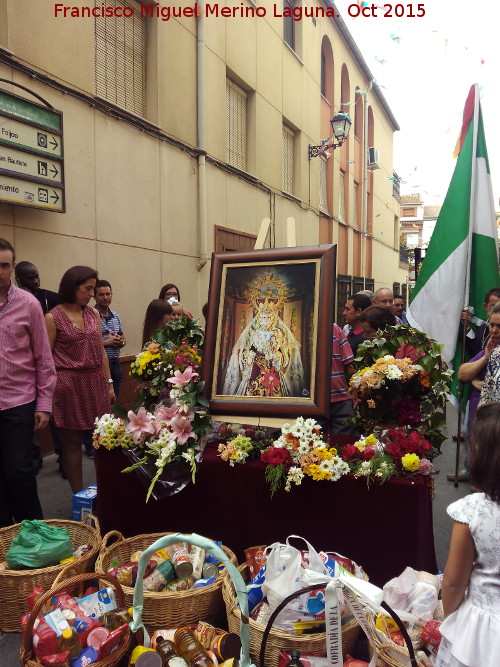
(471, 582)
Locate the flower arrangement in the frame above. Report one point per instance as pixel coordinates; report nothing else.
(401, 380)
(169, 435)
(243, 442)
(299, 451)
(176, 347)
(397, 452)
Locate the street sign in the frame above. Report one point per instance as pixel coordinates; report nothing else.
(14, 133)
(31, 154)
(21, 163)
(34, 195)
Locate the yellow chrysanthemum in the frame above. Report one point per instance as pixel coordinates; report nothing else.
(370, 441)
(317, 474)
(410, 462)
(360, 445)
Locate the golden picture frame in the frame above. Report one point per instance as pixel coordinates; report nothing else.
(269, 332)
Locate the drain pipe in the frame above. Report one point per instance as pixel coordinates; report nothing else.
(200, 110)
(364, 226)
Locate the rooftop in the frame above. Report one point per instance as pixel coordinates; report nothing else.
(411, 199)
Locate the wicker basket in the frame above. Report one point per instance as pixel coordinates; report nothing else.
(163, 610)
(16, 585)
(231, 572)
(389, 654)
(61, 583)
(279, 640)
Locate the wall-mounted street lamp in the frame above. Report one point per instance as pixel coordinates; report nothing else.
(341, 124)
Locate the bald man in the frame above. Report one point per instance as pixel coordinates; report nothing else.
(384, 298)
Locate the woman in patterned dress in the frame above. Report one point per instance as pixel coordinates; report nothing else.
(84, 388)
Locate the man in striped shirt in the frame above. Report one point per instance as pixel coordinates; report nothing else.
(27, 382)
(340, 398)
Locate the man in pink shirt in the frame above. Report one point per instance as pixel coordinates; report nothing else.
(27, 381)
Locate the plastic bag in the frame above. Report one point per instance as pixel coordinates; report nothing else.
(413, 592)
(37, 545)
(286, 568)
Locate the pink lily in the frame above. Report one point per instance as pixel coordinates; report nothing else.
(139, 424)
(165, 413)
(182, 429)
(181, 379)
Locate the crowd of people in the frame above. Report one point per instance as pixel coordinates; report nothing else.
(59, 367)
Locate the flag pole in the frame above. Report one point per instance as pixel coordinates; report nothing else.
(460, 398)
(473, 195)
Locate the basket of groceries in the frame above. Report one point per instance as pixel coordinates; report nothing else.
(191, 644)
(302, 624)
(70, 625)
(182, 583)
(35, 552)
(414, 595)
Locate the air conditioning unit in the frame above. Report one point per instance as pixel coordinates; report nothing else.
(373, 159)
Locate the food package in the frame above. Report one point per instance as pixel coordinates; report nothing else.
(180, 584)
(112, 642)
(432, 636)
(56, 659)
(82, 550)
(126, 574)
(34, 596)
(97, 604)
(44, 638)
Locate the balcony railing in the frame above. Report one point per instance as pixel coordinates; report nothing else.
(396, 185)
(404, 256)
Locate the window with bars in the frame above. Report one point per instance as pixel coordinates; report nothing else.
(287, 160)
(323, 198)
(341, 213)
(120, 58)
(289, 24)
(343, 292)
(358, 284)
(236, 125)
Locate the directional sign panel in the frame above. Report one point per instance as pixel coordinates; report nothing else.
(31, 153)
(19, 134)
(18, 162)
(35, 195)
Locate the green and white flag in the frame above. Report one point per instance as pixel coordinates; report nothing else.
(461, 262)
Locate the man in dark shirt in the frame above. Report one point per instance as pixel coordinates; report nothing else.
(353, 308)
(28, 278)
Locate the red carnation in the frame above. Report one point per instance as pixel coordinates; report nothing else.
(394, 450)
(350, 452)
(368, 453)
(275, 456)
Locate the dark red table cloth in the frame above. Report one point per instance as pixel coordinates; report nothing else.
(383, 528)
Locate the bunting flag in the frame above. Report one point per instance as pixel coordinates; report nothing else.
(461, 262)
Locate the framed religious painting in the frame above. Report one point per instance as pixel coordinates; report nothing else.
(268, 340)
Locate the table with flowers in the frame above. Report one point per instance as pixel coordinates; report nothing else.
(384, 527)
(369, 498)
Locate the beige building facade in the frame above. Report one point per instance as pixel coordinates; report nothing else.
(181, 135)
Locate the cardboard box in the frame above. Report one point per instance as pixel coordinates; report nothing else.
(84, 503)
